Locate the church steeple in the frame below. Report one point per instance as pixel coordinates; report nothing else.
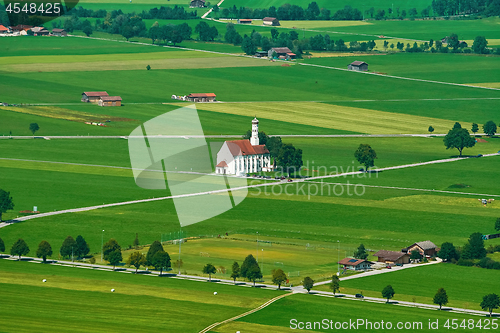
(254, 140)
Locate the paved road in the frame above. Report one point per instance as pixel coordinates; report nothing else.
(83, 209)
(299, 289)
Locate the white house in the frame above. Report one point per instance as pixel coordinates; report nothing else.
(239, 157)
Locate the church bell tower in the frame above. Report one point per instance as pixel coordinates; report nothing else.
(254, 140)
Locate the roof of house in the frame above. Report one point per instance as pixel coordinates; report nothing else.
(111, 98)
(57, 30)
(38, 29)
(201, 95)
(95, 93)
(390, 255)
(245, 20)
(352, 261)
(281, 50)
(269, 19)
(244, 147)
(20, 27)
(425, 245)
(222, 164)
(291, 54)
(358, 63)
(2, 28)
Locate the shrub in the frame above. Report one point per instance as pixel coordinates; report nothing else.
(465, 262)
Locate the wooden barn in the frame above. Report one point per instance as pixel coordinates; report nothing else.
(93, 96)
(426, 248)
(245, 21)
(392, 257)
(110, 101)
(197, 4)
(272, 21)
(59, 32)
(283, 53)
(201, 97)
(360, 66)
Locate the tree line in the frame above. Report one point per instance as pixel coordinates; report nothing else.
(162, 13)
(461, 7)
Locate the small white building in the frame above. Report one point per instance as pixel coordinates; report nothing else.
(239, 157)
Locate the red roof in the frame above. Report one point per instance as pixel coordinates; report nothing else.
(2, 28)
(269, 19)
(111, 98)
(245, 20)
(95, 93)
(222, 164)
(291, 54)
(244, 147)
(201, 95)
(352, 262)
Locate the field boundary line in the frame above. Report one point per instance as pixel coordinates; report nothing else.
(207, 329)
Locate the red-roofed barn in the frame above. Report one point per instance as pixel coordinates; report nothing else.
(93, 96)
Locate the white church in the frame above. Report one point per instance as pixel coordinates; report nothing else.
(240, 157)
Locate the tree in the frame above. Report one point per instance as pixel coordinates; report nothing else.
(5, 202)
(479, 45)
(274, 144)
(250, 269)
(448, 252)
(458, 138)
(335, 284)
(110, 246)
(136, 240)
(155, 247)
(290, 158)
(127, 32)
(388, 292)
(248, 46)
(475, 128)
(279, 277)
(457, 125)
(87, 30)
(154, 33)
(20, 248)
(136, 259)
(34, 127)
(115, 257)
(361, 252)
(148, 67)
(44, 250)
(415, 254)
(68, 247)
(274, 34)
(497, 226)
(365, 155)
(82, 248)
(235, 271)
(490, 302)
(161, 260)
(490, 128)
(474, 249)
(209, 269)
(441, 298)
(308, 283)
(431, 129)
(2, 246)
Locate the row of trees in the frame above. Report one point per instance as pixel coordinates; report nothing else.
(162, 13)
(460, 138)
(461, 7)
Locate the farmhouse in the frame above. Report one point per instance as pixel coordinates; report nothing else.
(201, 97)
(358, 66)
(356, 264)
(93, 96)
(392, 257)
(426, 248)
(59, 32)
(197, 4)
(273, 21)
(245, 21)
(4, 30)
(40, 31)
(239, 157)
(110, 101)
(281, 53)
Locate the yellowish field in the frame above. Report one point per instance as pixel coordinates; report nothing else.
(321, 24)
(103, 65)
(336, 54)
(62, 113)
(335, 117)
(486, 84)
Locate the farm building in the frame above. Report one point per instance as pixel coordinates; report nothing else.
(4, 30)
(40, 31)
(356, 264)
(110, 101)
(245, 21)
(201, 97)
(358, 66)
(273, 21)
(261, 54)
(93, 96)
(426, 248)
(21, 27)
(392, 257)
(197, 4)
(239, 157)
(283, 53)
(59, 32)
